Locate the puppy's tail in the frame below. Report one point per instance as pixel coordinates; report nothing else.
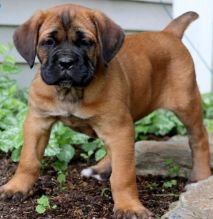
(179, 24)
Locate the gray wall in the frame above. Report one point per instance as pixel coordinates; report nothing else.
(131, 15)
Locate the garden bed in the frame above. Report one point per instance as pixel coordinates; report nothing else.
(81, 198)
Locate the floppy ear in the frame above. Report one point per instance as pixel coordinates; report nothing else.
(110, 36)
(26, 36)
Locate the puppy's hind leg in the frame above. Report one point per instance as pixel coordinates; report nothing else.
(101, 171)
(191, 115)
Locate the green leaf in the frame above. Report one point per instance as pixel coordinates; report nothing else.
(61, 178)
(10, 59)
(66, 154)
(170, 184)
(89, 146)
(44, 201)
(16, 155)
(101, 153)
(92, 146)
(174, 170)
(159, 123)
(53, 148)
(3, 49)
(209, 125)
(84, 156)
(60, 166)
(79, 138)
(40, 209)
(104, 191)
(169, 162)
(8, 68)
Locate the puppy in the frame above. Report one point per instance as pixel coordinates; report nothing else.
(97, 83)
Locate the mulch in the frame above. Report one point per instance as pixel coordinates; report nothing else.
(82, 198)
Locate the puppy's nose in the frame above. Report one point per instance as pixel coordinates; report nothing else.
(66, 62)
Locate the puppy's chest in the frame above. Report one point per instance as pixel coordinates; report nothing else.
(64, 104)
(68, 104)
(68, 109)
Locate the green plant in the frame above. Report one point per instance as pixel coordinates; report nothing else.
(61, 169)
(153, 185)
(159, 123)
(61, 178)
(170, 183)
(173, 170)
(43, 204)
(95, 148)
(173, 167)
(63, 140)
(207, 100)
(8, 65)
(12, 105)
(105, 192)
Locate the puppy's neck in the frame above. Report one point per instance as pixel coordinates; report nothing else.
(70, 94)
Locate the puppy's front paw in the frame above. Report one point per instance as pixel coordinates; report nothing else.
(141, 213)
(7, 193)
(8, 196)
(132, 211)
(16, 189)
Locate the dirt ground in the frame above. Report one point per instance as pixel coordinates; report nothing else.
(82, 198)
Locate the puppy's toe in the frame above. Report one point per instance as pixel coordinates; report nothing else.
(7, 194)
(19, 197)
(91, 172)
(143, 214)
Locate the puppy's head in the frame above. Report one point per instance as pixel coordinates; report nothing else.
(69, 41)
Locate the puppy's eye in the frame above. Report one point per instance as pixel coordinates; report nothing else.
(48, 42)
(85, 43)
(88, 43)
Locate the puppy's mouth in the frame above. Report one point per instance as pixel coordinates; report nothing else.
(65, 84)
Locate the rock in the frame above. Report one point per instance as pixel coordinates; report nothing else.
(196, 202)
(152, 155)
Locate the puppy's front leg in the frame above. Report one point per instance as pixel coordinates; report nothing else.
(36, 136)
(118, 135)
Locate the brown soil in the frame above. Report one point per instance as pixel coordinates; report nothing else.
(82, 198)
